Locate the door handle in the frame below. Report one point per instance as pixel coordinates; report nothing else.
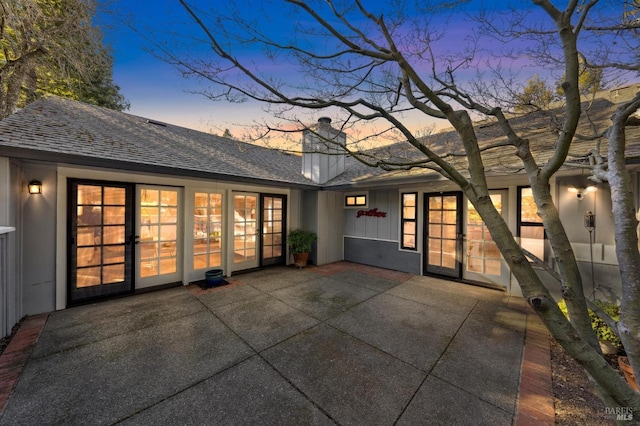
(136, 239)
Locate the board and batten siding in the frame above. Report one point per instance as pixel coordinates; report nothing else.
(382, 228)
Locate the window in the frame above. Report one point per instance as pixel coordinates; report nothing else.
(356, 200)
(530, 228)
(409, 224)
(207, 230)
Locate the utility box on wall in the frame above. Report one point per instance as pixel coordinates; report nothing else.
(322, 155)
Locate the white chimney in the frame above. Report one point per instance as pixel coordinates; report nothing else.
(322, 155)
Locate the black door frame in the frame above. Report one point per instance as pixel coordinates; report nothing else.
(455, 272)
(76, 295)
(283, 258)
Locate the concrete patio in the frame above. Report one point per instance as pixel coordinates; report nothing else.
(344, 343)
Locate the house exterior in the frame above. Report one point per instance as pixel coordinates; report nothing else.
(129, 204)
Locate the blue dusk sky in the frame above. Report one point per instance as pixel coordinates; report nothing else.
(156, 89)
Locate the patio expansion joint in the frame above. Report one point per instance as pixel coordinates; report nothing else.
(430, 372)
(259, 353)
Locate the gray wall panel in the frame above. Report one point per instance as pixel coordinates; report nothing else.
(384, 254)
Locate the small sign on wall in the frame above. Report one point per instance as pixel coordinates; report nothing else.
(371, 212)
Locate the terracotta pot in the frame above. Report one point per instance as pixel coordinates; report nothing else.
(623, 362)
(300, 259)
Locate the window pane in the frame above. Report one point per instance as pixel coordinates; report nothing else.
(89, 215)
(532, 239)
(528, 208)
(492, 267)
(113, 274)
(113, 235)
(200, 261)
(169, 198)
(88, 277)
(114, 216)
(207, 228)
(150, 197)
(450, 202)
(89, 256)
(169, 215)
(409, 212)
(409, 200)
(435, 216)
(435, 231)
(409, 228)
(114, 196)
(89, 194)
(435, 203)
(168, 232)
(361, 200)
(450, 216)
(113, 254)
(449, 231)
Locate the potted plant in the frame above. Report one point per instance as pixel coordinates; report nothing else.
(300, 243)
(609, 341)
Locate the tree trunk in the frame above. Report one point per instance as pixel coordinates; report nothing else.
(624, 216)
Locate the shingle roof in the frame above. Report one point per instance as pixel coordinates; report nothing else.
(536, 127)
(65, 130)
(72, 131)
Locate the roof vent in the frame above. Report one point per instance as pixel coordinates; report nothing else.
(324, 120)
(156, 123)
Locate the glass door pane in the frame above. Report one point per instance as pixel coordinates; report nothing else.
(483, 261)
(207, 230)
(100, 239)
(245, 231)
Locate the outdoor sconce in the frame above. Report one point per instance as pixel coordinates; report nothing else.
(581, 191)
(35, 187)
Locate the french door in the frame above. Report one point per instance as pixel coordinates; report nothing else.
(157, 246)
(100, 230)
(259, 225)
(273, 226)
(443, 234)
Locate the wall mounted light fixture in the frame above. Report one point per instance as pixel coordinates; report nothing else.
(581, 191)
(35, 187)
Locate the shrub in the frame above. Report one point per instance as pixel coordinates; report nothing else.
(603, 331)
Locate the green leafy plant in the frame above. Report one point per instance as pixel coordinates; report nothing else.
(603, 331)
(301, 241)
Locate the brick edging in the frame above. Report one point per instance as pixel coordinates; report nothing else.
(535, 396)
(17, 353)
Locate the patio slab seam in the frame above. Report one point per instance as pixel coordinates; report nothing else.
(259, 354)
(430, 373)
